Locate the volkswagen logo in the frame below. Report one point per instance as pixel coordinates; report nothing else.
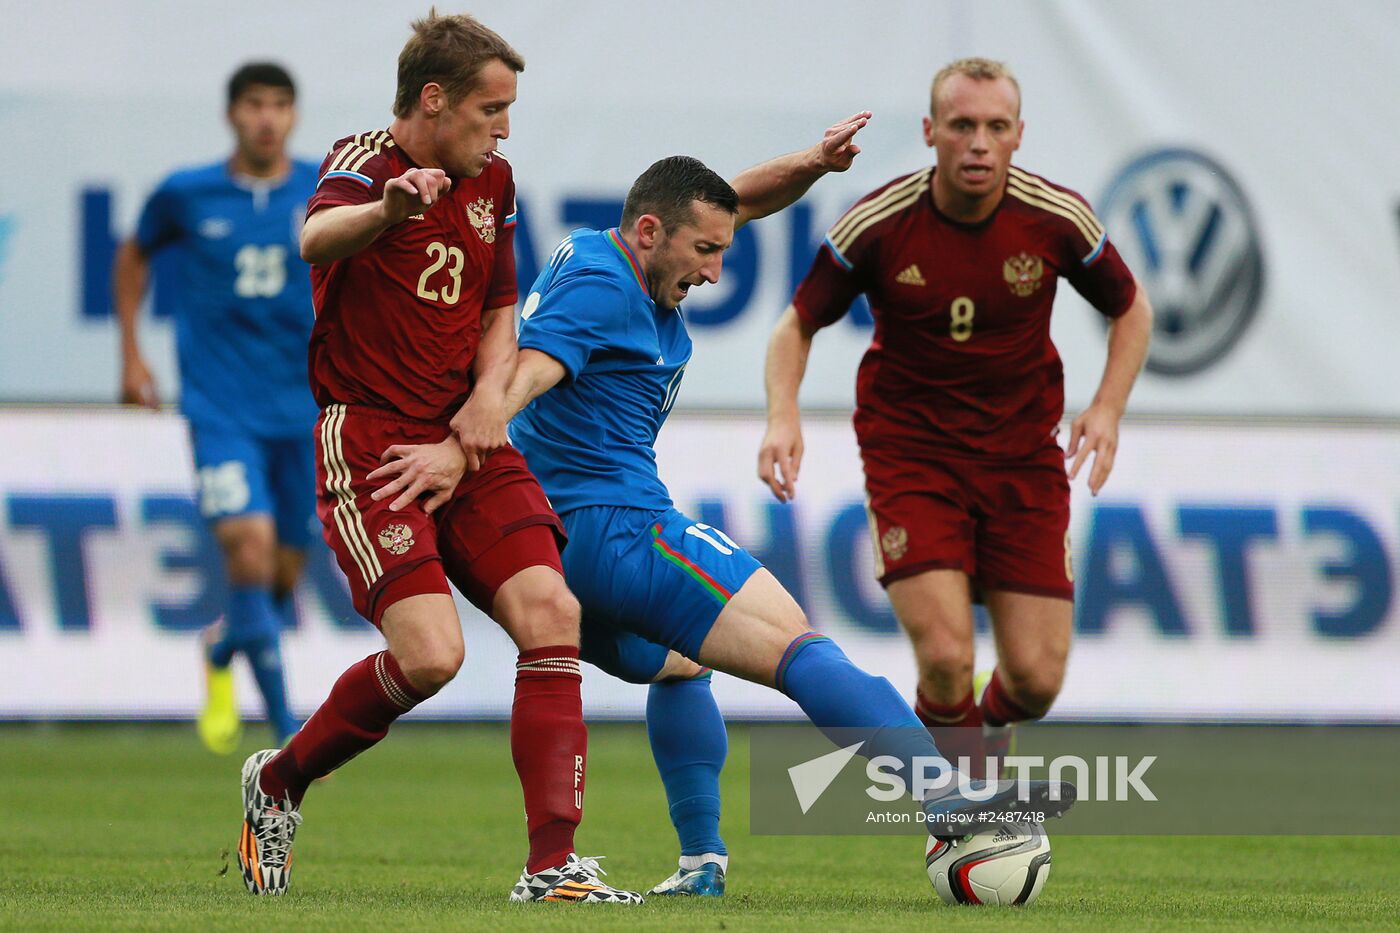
(1183, 226)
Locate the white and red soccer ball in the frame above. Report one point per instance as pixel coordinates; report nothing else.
(1004, 864)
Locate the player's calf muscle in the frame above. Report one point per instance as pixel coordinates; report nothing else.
(1033, 635)
(944, 684)
(678, 667)
(290, 562)
(945, 660)
(1034, 688)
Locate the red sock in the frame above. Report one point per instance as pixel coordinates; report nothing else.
(549, 743)
(962, 713)
(956, 729)
(366, 699)
(998, 708)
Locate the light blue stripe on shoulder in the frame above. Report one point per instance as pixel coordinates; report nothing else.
(365, 179)
(845, 263)
(510, 219)
(1098, 249)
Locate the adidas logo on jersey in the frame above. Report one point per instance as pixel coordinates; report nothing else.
(911, 276)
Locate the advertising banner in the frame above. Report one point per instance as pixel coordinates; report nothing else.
(1228, 571)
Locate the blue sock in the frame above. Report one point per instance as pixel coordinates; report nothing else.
(221, 652)
(265, 657)
(835, 694)
(689, 743)
(254, 625)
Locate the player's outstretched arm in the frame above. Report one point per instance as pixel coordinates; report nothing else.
(771, 186)
(1096, 428)
(780, 455)
(480, 424)
(336, 232)
(130, 273)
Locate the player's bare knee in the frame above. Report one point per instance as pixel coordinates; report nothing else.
(1034, 688)
(250, 559)
(545, 615)
(557, 613)
(945, 660)
(432, 668)
(249, 567)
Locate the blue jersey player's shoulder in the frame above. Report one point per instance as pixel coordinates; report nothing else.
(194, 177)
(580, 305)
(194, 181)
(166, 212)
(585, 255)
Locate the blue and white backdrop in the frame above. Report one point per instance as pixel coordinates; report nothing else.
(1228, 570)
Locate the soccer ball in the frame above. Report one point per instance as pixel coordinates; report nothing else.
(1004, 864)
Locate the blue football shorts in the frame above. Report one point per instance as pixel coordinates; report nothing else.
(648, 581)
(239, 474)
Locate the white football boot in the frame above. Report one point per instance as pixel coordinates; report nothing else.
(576, 882)
(705, 881)
(269, 825)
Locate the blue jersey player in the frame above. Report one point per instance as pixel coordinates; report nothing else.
(603, 346)
(224, 238)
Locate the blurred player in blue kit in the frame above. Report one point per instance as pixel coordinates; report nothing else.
(242, 307)
(603, 348)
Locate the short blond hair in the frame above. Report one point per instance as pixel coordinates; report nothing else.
(978, 69)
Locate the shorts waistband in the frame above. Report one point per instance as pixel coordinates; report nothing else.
(386, 414)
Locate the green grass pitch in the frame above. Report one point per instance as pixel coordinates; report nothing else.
(132, 827)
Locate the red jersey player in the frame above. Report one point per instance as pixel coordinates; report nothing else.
(410, 239)
(959, 397)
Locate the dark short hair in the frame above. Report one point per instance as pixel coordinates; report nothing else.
(270, 74)
(449, 51)
(669, 189)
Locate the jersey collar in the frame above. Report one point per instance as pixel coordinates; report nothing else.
(255, 185)
(619, 244)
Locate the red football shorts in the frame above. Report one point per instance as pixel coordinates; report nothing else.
(1006, 525)
(497, 524)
